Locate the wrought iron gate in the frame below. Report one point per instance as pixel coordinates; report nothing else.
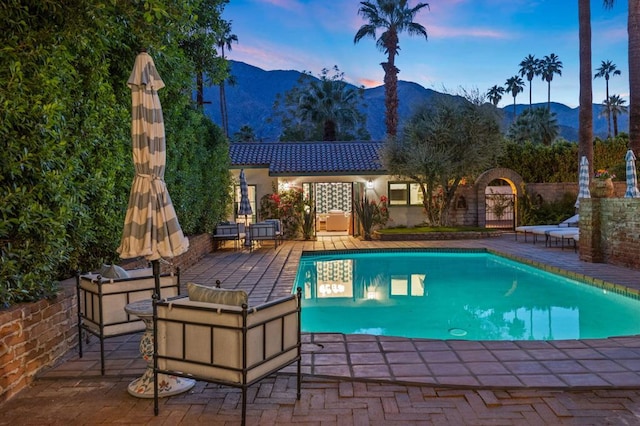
(499, 211)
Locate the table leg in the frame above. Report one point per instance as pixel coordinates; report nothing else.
(168, 385)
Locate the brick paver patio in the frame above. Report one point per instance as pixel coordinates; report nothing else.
(362, 379)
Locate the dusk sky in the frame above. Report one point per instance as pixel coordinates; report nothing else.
(472, 44)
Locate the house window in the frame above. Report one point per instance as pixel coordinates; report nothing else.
(398, 194)
(405, 193)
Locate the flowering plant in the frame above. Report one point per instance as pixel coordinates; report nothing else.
(604, 174)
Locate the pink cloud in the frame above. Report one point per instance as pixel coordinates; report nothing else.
(284, 4)
(453, 32)
(369, 83)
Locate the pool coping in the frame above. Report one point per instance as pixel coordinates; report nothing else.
(562, 364)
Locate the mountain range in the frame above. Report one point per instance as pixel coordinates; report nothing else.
(250, 102)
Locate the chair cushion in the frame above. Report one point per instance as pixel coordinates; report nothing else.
(201, 293)
(113, 272)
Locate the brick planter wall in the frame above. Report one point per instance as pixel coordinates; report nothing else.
(610, 231)
(36, 335)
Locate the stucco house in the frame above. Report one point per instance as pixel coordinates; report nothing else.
(332, 174)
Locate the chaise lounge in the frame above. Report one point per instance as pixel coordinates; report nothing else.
(536, 230)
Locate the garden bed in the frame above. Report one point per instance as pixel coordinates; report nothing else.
(434, 236)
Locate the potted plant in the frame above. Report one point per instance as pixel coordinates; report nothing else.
(602, 185)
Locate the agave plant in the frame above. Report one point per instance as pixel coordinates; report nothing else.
(371, 214)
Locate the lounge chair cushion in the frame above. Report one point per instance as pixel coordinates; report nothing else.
(201, 293)
(113, 271)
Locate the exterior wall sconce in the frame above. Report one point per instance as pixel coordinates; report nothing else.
(369, 184)
(284, 186)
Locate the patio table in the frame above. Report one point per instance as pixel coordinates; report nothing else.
(142, 387)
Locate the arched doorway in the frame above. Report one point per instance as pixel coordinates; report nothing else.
(497, 193)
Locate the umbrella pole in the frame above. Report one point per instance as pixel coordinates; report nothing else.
(155, 266)
(247, 236)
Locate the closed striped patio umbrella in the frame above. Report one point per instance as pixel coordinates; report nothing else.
(632, 176)
(244, 208)
(583, 181)
(151, 228)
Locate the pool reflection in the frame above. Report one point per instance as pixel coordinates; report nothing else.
(475, 296)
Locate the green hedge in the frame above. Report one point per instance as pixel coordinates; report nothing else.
(559, 162)
(66, 166)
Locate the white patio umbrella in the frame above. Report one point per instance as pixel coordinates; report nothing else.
(632, 176)
(151, 228)
(583, 181)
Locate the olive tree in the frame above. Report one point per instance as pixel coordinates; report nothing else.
(442, 144)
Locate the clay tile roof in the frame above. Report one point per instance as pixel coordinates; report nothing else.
(309, 158)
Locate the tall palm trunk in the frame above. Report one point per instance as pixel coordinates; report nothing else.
(634, 75)
(585, 114)
(549, 96)
(199, 89)
(223, 103)
(608, 105)
(514, 109)
(329, 131)
(391, 97)
(391, 85)
(224, 120)
(614, 115)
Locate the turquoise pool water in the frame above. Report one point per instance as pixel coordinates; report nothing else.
(455, 295)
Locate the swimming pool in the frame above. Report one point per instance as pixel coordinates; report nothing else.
(472, 295)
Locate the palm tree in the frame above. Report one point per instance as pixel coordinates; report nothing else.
(244, 134)
(606, 70)
(549, 66)
(538, 125)
(224, 38)
(495, 94)
(393, 17)
(616, 107)
(633, 23)
(585, 112)
(530, 67)
(514, 85)
(332, 104)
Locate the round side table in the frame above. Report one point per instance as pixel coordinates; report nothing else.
(142, 387)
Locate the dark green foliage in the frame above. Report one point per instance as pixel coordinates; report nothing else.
(534, 211)
(66, 167)
(442, 144)
(558, 162)
(538, 125)
(324, 109)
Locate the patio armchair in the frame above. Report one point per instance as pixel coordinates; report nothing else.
(229, 232)
(214, 336)
(101, 303)
(263, 231)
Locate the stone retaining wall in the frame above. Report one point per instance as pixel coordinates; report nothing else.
(36, 335)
